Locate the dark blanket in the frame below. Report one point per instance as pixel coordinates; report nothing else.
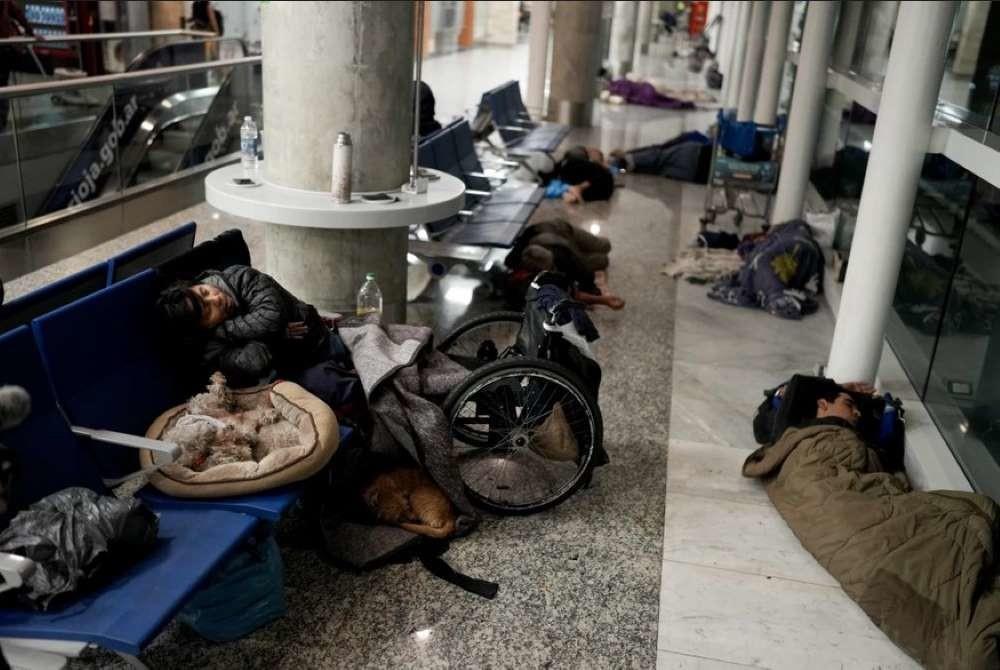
(643, 93)
(782, 273)
(404, 380)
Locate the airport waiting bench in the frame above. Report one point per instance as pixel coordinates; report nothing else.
(510, 117)
(99, 372)
(494, 217)
(125, 613)
(22, 310)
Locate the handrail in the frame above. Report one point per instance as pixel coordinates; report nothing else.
(101, 37)
(24, 90)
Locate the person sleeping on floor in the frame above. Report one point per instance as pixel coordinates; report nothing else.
(559, 246)
(582, 175)
(687, 157)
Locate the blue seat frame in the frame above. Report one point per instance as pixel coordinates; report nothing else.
(20, 311)
(152, 253)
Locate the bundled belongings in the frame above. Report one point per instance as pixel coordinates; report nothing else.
(782, 273)
(236, 442)
(75, 537)
(922, 565)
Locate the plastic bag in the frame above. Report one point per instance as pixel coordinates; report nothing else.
(241, 596)
(74, 536)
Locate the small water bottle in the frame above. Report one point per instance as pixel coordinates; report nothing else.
(369, 297)
(248, 147)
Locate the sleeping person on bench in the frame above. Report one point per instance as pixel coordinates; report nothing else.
(246, 325)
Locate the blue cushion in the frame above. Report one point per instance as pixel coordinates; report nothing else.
(20, 311)
(110, 365)
(152, 253)
(127, 612)
(48, 456)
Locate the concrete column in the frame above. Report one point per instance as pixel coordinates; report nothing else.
(331, 67)
(731, 77)
(623, 25)
(846, 40)
(805, 109)
(750, 78)
(576, 59)
(970, 38)
(766, 109)
(538, 55)
(879, 21)
(644, 29)
(902, 135)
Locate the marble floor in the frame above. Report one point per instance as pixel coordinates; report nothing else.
(670, 559)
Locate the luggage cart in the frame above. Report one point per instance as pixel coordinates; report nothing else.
(745, 162)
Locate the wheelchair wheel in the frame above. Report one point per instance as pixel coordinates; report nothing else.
(484, 339)
(524, 434)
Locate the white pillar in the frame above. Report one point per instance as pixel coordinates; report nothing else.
(330, 67)
(750, 78)
(623, 24)
(727, 35)
(644, 28)
(766, 109)
(732, 75)
(902, 134)
(805, 109)
(538, 56)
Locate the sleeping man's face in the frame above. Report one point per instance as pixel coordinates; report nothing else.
(842, 407)
(216, 305)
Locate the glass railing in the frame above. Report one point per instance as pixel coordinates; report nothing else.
(33, 59)
(72, 145)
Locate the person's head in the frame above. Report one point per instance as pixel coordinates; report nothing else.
(833, 401)
(595, 155)
(191, 306)
(577, 153)
(537, 258)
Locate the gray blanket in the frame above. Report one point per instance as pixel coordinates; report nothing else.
(405, 379)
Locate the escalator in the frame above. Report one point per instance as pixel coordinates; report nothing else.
(153, 128)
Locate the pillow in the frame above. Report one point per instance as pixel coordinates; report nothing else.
(294, 441)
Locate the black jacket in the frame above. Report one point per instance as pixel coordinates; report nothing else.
(253, 344)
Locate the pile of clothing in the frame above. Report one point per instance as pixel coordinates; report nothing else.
(782, 273)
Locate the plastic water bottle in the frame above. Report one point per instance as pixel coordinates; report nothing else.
(369, 297)
(248, 147)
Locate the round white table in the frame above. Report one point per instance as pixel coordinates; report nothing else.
(281, 205)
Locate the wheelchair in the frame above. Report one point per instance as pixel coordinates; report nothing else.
(526, 427)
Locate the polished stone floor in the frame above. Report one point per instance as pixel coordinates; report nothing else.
(670, 559)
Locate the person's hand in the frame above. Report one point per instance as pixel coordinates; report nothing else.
(862, 388)
(573, 195)
(296, 330)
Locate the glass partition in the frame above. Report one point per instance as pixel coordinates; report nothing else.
(80, 146)
(972, 69)
(963, 386)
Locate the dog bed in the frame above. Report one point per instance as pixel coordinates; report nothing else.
(238, 442)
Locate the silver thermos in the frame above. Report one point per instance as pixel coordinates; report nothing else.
(340, 173)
